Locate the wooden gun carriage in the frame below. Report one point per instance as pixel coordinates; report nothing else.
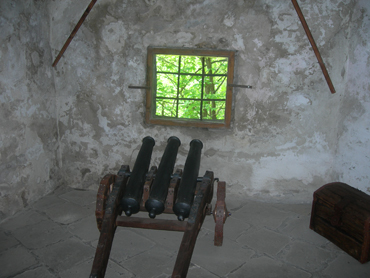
(159, 190)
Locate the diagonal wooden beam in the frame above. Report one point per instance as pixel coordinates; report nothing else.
(82, 19)
(313, 44)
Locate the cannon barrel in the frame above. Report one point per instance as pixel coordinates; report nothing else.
(158, 193)
(185, 193)
(134, 190)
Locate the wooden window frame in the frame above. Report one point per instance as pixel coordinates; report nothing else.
(150, 118)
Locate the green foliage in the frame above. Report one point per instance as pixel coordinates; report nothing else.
(191, 87)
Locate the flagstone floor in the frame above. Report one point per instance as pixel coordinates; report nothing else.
(57, 236)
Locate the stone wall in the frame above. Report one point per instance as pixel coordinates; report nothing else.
(284, 137)
(28, 126)
(353, 156)
(289, 134)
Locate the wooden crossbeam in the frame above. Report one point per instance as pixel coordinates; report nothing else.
(71, 36)
(314, 46)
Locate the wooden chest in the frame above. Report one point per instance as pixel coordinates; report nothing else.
(341, 214)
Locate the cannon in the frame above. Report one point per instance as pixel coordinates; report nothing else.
(188, 182)
(159, 190)
(134, 190)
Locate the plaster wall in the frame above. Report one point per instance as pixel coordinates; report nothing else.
(28, 126)
(353, 157)
(284, 140)
(72, 124)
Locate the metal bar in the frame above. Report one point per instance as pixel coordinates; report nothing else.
(138, 87)
(313, 44)
(240, 86)
(202, 90)
(178, 88)
(197, 99)
(71, 36)
(191, 74)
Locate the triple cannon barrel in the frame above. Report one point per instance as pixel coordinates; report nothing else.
(185, 193)
(134, 190)
(155, 204)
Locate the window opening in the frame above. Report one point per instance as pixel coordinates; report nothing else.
(189, 87)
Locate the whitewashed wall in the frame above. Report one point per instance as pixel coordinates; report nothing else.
(287, 130)
(79, 121)
(353, 157)
(28, 126)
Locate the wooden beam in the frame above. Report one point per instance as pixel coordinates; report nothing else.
(71, 36)
(313, 44)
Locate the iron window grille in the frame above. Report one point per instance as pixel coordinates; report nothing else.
(189, 87)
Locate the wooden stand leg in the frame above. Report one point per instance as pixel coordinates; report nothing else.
(196, 218)
(108, 226)
(102, 198)
(220, 213)
(111, 218)
(103, 250)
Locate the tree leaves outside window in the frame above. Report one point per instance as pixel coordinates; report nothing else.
(190, 87)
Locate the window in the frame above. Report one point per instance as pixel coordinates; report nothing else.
(189, 87)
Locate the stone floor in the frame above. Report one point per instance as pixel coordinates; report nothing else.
(56, 237)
